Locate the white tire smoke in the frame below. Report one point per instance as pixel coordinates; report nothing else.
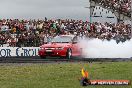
(96, 48)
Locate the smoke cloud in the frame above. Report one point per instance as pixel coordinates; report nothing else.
(96, 48)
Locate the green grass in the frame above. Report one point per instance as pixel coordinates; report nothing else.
(61, 75)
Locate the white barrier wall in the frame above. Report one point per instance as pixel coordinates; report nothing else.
(18, 51)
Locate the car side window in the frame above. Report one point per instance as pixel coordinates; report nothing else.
(75, 39)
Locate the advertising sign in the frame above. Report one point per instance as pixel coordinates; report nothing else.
(18, 51)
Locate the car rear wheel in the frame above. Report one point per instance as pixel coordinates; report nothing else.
(69, 54)
(81, 53)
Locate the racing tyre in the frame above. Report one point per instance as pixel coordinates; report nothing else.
(81, 53)
(69, 54)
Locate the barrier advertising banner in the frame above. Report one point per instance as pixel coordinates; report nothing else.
(18, 51)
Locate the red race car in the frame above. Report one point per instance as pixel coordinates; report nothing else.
(61, 46)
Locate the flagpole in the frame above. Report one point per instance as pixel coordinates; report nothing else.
(131, 18)
(92, 6)
(90, 16)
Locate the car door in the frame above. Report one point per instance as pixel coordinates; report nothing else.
(75, 46)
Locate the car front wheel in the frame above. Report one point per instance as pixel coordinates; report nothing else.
(69, 54)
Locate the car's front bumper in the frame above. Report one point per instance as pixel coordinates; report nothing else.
(52, 53)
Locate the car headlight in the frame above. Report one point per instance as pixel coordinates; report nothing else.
(60, 48)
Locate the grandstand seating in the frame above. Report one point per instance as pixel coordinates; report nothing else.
(120, 13)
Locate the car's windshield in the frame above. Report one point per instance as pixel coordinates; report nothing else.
(62, 39)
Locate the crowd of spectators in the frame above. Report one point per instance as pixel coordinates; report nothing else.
(33, 33)
(122, 6)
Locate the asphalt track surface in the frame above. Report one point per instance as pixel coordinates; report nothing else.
(53, 60)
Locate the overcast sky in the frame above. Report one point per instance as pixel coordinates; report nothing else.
(30, 9)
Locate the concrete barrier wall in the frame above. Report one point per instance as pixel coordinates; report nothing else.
(18, 51)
